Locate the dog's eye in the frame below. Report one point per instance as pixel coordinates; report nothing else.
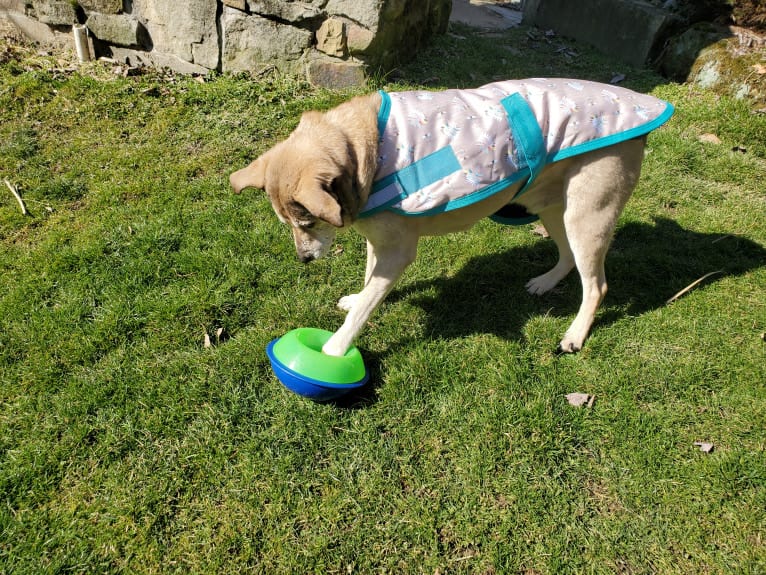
(301, 216)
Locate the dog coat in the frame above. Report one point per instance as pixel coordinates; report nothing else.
(440, 151)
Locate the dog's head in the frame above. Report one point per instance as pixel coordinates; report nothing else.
(311, 180)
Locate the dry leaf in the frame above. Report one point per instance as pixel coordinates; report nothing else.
(539, 230)
(704, 447)
(709, 139)
(759, 68)
(580, 399)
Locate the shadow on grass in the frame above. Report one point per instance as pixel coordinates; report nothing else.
(367, 395)
(646, 265)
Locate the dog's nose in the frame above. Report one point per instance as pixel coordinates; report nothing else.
(306, 258)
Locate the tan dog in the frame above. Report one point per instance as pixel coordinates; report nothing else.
(320, 179)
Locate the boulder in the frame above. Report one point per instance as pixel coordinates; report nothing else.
(138, 58)
(331, 73)
(358, 38)
(38, 32)
(253, 42)
(726, 68)
(119, 29)
(186, 29)
(682, 51)
(101, 6)
(404, 27)
(367, 13)
(331, 38)
(55, 12)
(631, 30)
(238, 4)
(288, 11)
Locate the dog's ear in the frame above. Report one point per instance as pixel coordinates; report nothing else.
(343, 188)
(252, 176)
(321, 204)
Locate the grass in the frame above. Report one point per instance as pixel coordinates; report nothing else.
(129, 447)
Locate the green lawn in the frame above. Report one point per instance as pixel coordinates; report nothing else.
(128, 446)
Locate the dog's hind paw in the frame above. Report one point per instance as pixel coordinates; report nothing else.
(347, 302)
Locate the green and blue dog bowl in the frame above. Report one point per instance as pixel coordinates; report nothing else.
(299, 364)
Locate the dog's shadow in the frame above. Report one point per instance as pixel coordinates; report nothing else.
(646, 265)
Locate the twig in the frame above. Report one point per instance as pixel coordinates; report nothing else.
(692, 285)
(16, 195)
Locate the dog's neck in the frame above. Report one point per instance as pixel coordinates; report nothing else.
(358, 119)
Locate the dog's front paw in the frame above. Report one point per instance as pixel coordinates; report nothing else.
(332, 348)
(542, 284)
(347, 302)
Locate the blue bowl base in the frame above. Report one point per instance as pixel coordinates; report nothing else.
(313, 389)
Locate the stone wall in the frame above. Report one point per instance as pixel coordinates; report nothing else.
(335, 42)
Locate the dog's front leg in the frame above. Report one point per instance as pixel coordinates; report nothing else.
(347, 302)
(386, 268)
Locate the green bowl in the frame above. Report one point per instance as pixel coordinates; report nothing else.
(300, 351)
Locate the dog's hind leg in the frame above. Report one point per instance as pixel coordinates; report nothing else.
(596, 195)
(553, 220)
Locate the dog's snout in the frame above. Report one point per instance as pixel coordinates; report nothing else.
(306, 258)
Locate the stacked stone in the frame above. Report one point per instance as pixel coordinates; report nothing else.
(334, 41)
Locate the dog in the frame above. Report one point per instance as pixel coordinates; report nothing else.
(400, 166)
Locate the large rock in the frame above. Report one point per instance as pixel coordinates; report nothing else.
(404, 27)
(682, 51)
(253, 42)
(156, 60)
(55, 12)
(184, 28)
(238, 4)
(288, 10)
(365, 13)
(101, 6)
(331, 73)
(631, 30)
(331, 38)
(119, 29)
(727, 67)
(38, 32)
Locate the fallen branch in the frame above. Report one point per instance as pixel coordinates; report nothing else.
(692, 285)
(16, 195)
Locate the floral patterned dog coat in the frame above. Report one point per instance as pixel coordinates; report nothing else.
(440, 151)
